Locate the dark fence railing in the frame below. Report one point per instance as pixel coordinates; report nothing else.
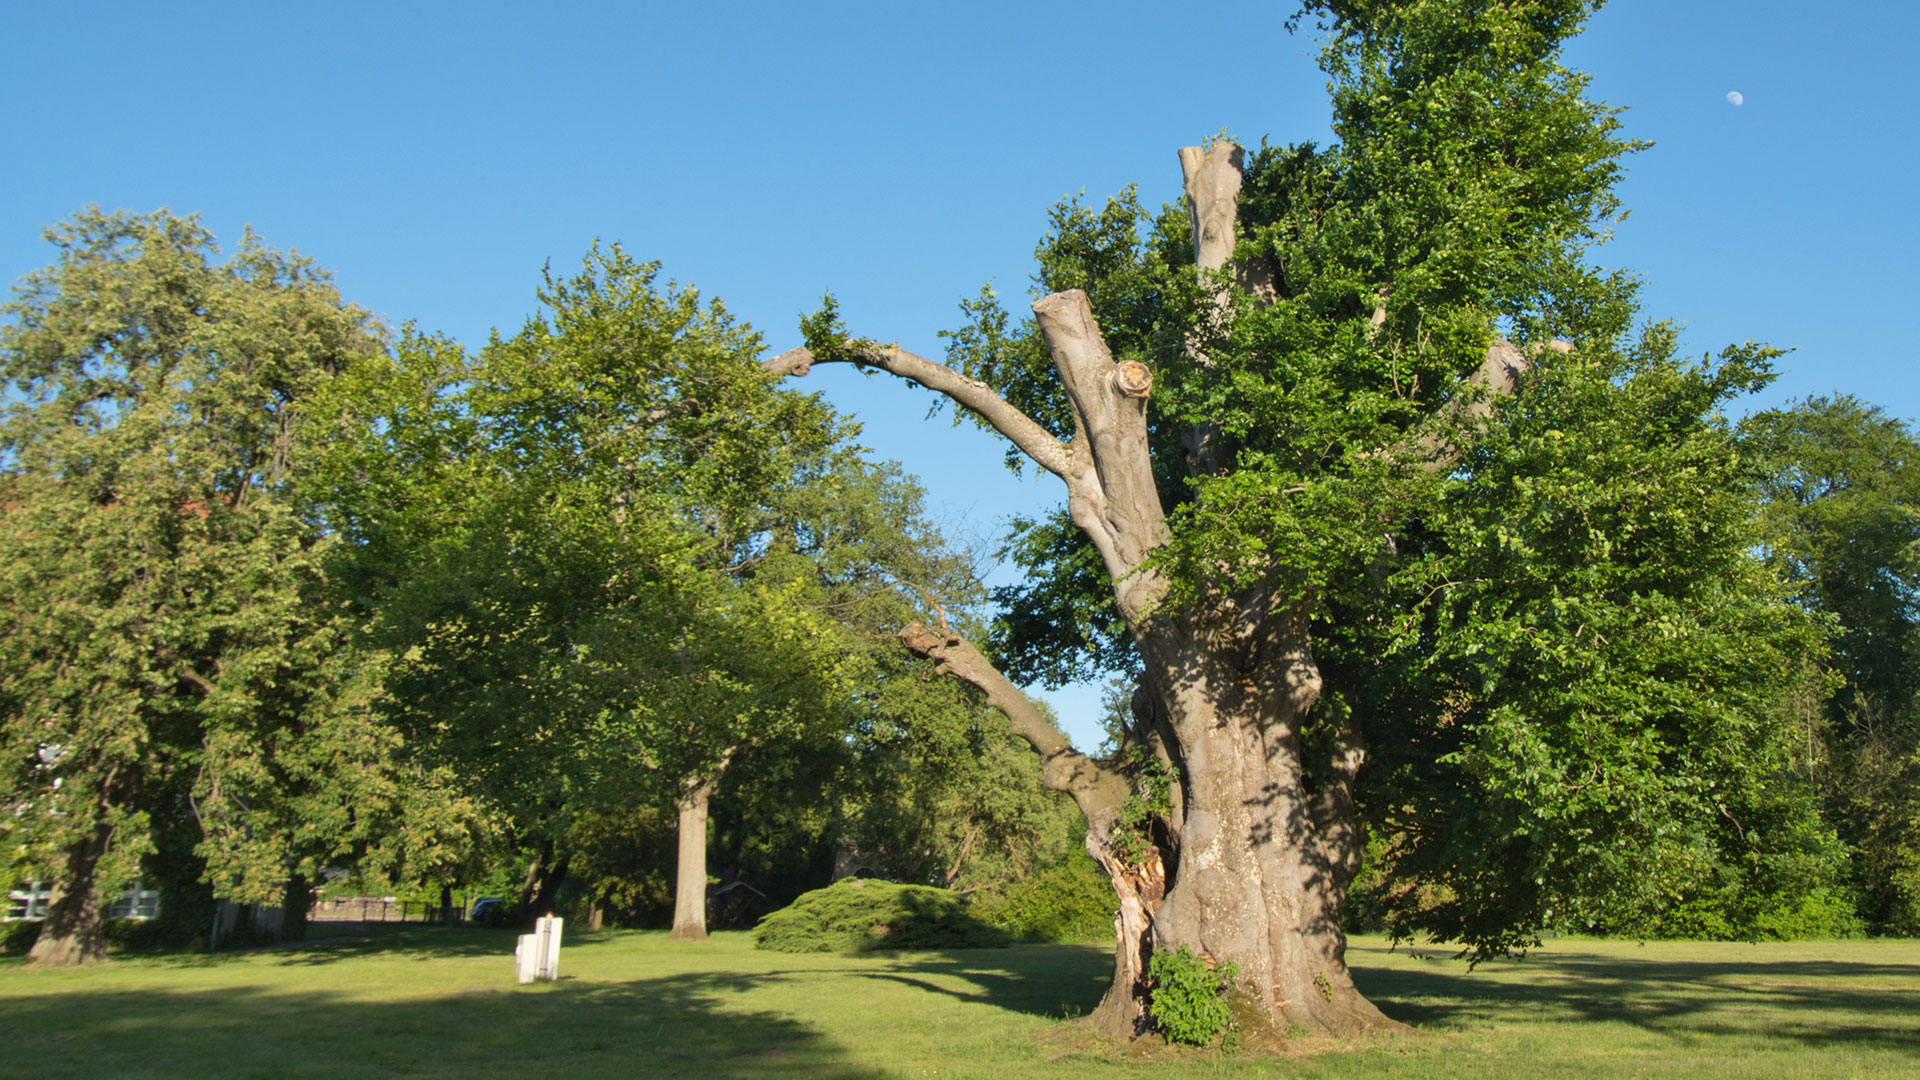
(375, 909)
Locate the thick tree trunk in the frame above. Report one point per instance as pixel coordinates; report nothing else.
(690, 880)
(541, 887)
(1250, 867)
(1267, 851)
(75, 928)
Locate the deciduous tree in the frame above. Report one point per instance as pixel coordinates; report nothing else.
(172, 651)
(1304, 466)
(1840, 486)
(616, 555)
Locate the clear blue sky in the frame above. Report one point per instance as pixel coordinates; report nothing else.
(435, 155)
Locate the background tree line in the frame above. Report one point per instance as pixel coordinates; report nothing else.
(290, 595)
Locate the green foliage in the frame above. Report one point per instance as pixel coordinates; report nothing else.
(1070, 901)
(826, 336)
(925, 787)
(615, 556)
(864, 915)
(1189, 999)
(1470, 178)
(1815, 915)
(174, 657)
(1471, 173)
(16, 938)
(1840, 488)
(1610, 666)
(1578, 685)
(1131, 835)
(1059, 625)
(1738, 916)
(936, 791)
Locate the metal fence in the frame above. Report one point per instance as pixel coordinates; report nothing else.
(27, 902)
(379, 909)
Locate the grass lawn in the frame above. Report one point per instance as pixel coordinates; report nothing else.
(429, 1002)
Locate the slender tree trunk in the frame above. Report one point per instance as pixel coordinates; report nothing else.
(446, 905)
(690, 882)
(536, 874)
(1138, 892)
(74, 931)
(549, 891)
(293, 911)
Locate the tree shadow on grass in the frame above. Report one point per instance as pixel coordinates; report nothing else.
(420, 943)
(431, 944)
(1812, 1003)
(1054, 981)
(666, 1027)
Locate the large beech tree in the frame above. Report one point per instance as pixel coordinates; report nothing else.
(1281, 414)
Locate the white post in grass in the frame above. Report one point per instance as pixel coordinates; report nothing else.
(537, 955)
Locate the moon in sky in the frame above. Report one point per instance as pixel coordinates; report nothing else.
(1736, 98)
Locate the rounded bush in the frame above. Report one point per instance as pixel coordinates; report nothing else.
(1072, 901)
(859, 915)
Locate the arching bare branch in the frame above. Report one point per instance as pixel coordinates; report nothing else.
(1033, 440)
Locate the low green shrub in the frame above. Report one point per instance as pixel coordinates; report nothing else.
(1071, 901)
(18, 937)
(859, 915)
(1188, 999)
(121, 935)
(130, 934)
(1703, 919)
(1814, 915)
(1817, 915)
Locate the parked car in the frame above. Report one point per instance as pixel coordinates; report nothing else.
(487, 910)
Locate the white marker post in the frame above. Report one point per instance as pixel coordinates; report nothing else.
(537, 955)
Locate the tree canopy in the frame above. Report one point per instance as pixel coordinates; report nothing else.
(1839, 482)
(615, 555)
(1401, 521)
(173, 660)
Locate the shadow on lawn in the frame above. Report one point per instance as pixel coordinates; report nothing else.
(692, 1024)
(1815, 1003)
(331, 948)
(1057, 982)
(674, 1026)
